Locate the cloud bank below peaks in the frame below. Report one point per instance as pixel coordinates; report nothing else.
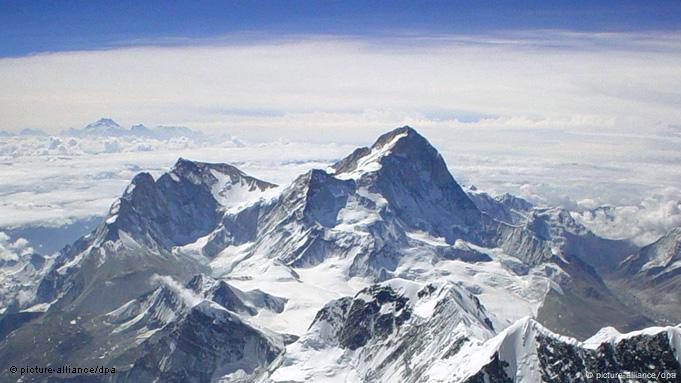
(308, 86)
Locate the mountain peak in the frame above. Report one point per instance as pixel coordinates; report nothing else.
(399, 133)
(403, 142)
(182, 204)
(212, 173)
(103, 123)
(183, 163)
(413, 177)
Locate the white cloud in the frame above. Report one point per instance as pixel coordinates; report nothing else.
(642, 223)
(343, 88)
(12, 250)
(190, 298)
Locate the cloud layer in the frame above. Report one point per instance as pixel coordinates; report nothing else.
(642, 223)
(344, 89)
(12, 249)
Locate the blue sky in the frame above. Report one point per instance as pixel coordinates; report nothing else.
(29, 27)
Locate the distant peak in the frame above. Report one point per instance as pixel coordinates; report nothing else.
(106, 121)
(103, 122)
(32, 132)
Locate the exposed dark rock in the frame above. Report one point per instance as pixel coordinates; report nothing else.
(494, 372)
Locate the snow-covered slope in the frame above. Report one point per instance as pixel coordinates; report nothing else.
(528, 352)
(18, 280)
(653, 276)
(414, 180)
(136, 239)
(392, 331)
(660, 260)
(401, 332)
(193, 332)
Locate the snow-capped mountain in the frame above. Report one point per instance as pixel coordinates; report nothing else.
(378, 268)
(103, 127)
(136, 239)
(391, 331)
(198, 328)
(528, 352)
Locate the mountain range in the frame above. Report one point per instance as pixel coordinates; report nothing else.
(106, 127)
(380, 267)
